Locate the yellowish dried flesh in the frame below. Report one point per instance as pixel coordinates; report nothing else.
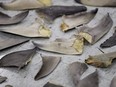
(86, 36)
(79, 44)
(64, 27)
(46, 2)
(44, 31)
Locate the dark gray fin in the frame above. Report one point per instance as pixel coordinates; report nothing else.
(78, 1)
(49, 65)
(90, 81)
(17, 59)
(51, 85)
(7, 20)
(109, 42)
(2, 79)
(113, 82)
(8, 86)
(8, 41)
(53, 12)
(76, 70)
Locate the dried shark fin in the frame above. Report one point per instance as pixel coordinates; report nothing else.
(76, 70)
(70, 47)
(2, 79)
(51, 85)
(72, 21)
(100, 3)
(17, 59)
(8, 41)
(8, 86)
(109, 42)
(92, 35)
(52, 12)
(113, 82)
(34, 30)
(7, 20)
(90, 81)
(3, 15)
(11, 42)
(102, 60)
(25, 4)
(49, 65)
